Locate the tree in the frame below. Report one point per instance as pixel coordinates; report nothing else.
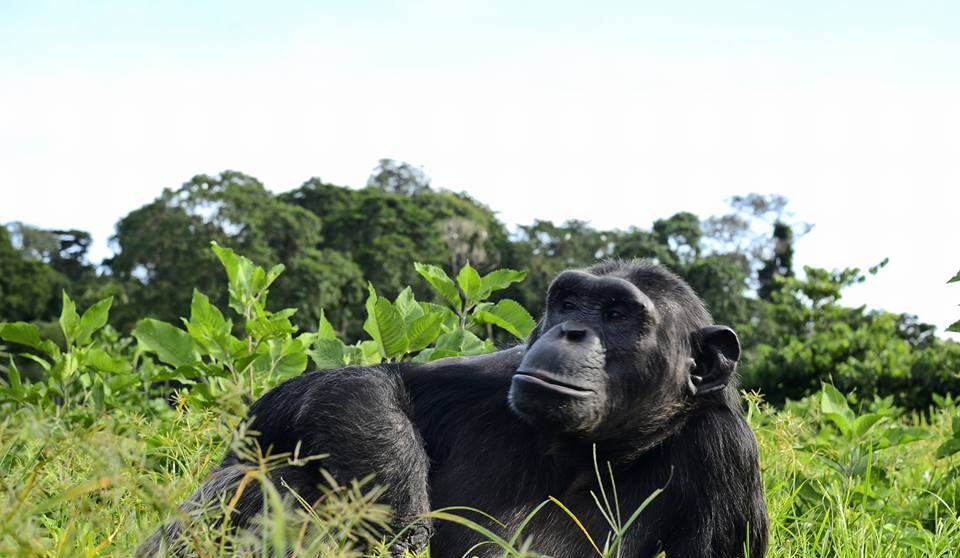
(398, 177)
(323, 280)
(29, 288)
(780, 262)
(383, 231)
(163, 247)
(65, 251)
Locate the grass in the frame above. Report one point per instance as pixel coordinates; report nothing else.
(83, 484)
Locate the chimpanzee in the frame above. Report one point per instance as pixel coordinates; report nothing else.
(625, 363)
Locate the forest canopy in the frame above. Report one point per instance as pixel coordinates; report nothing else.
(334, 240)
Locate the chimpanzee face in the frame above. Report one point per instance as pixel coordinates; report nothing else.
(614, 349)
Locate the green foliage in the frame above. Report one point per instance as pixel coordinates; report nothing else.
(841, 482)
(424, 331)
(92, 367)
(805, 336)
(28, 287)
(163, 246)
(208, 357)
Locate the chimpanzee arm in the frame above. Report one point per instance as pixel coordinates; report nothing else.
(726, 512)
(360, 419)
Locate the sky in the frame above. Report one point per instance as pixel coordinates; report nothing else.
(616, 113)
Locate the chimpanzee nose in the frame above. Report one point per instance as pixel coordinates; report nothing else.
(573, 332)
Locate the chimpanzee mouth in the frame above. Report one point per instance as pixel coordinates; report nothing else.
(549, 381)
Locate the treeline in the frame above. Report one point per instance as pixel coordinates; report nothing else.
(333, 240)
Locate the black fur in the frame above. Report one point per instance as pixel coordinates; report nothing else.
(643, 375)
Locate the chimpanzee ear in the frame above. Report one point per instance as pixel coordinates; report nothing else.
(716, 352)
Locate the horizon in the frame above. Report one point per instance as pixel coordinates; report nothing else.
(615, 116)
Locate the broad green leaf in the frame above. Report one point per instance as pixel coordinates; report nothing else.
(948, 448)
(241, 274)
(181, 374)
(954, 327)
(101, 360)
(441, 283)
(69, 319)
(13, 376)
(172, 345)
(284, 358)
(369, 353)
(325, 330)
(284, 313)
(452, 340)
(307, 339)
(51, 348)
(207, 325)
(473, 345)
(353, 355)
(430, 355)
(327, 353)
(21, 333)
(202, 312)
(834, 406)
(229, 260)
(68, 366)
(43, 364)
(370, 323)
(99, 395)
(121, 382)
(272, 275)
(385, 325)
(898, 436)
(509, 315)
(408, 306)
(423, 331)
(498, 280)
(469, 281)
(93, 319)
(955, 278)
(258, 275)
(461, 342)
(391, 326)
(864, 423)
(270, 326)
(450, 321)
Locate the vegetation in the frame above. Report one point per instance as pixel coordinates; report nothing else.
(114, 406)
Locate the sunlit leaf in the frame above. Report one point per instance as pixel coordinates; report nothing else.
(440, 282)
(508, 315)
(469, 281)
(69, 319)
(172, 345)
(92, 320)
(21, 333)
(423, 331)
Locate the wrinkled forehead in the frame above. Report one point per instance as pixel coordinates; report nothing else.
(669, 293)
(582, 282)
(654, 284)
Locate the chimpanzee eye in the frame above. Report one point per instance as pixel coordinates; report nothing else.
(567, 306)
(614, 315)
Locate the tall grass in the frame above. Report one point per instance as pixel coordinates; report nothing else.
(97, 485)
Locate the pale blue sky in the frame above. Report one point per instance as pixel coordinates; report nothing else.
(612, 112)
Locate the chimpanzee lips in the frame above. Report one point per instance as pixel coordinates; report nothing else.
(551, 382)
